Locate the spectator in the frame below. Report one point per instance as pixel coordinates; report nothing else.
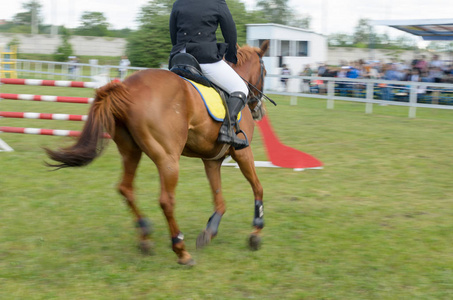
(448, 74)
(285, 71)
(343, 86)
(436, 69)
(414, 62)
(321, 69)
(415, 76)
(374, 71)
(422, 64)
(353, 73)
(73, 67)
(390, 73)
(425, 77)
(305, 83)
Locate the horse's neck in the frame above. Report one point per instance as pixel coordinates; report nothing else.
(242, 73)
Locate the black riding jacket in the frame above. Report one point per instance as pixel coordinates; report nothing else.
(193, 24)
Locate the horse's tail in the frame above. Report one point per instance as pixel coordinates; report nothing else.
(110, 105)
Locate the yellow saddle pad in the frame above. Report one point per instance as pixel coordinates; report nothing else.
(212, 101)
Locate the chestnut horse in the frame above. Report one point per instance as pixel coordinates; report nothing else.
(158, 113)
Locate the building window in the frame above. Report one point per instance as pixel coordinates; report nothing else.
(285, 50)
(301, 48)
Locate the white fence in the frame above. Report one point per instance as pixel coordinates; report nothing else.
(69, 71)
(371, 91)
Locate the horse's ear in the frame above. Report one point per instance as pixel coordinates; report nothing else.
(237, 46)
(264, 47)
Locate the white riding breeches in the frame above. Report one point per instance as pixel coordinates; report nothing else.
(222, 75)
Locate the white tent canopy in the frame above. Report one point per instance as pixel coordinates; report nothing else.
(428, 29)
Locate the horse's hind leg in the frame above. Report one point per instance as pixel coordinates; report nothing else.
(131, 155)
(169, 173)
(212, 169)
(246, 163)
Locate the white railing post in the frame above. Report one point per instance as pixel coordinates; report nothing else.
(64, 71)
(51, 70)
(27, 66)
(38, 67)
(19, 67)
(94, 70)
(330, 94)
(369, 97)
(413, 101)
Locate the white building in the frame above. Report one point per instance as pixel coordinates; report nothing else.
(292, 46)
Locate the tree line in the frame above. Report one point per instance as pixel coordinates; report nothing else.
(149, 45)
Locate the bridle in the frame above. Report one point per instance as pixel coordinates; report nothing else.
(257, 98)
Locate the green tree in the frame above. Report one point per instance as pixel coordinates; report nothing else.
(93, 24)
(65, 49)
(150, 45)
(154, 8)
(275, 11)
(405, 42)
(121, 33)
(241, 17)
(26, 18)
(364, 36)
(303, 21)
(340, 40)
(14, 43)
(10, 27)
(362, 32)
(441, 46)
(32, 16)
(279, 12)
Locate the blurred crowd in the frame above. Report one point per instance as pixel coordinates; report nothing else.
(419, 69)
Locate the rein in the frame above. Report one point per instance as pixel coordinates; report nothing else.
(260, 93)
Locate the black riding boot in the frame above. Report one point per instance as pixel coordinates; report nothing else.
(227, 135)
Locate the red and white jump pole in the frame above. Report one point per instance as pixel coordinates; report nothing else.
(46, 98)
(31, 115)
(279, 154)
(40, 82)
(41, 131)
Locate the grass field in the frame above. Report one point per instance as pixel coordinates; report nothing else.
(375, 223)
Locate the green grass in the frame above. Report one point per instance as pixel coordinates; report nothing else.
(375, 223)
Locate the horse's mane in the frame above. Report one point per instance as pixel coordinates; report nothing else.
(244, 53)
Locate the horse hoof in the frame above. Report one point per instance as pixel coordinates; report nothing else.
(203, 239)
(146, 247)
(254, 242)
(188, 262)
(145, 227)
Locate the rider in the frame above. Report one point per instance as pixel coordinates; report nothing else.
(193, 25)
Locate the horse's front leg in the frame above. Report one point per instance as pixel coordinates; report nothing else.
(246, 163)
(212, 169)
